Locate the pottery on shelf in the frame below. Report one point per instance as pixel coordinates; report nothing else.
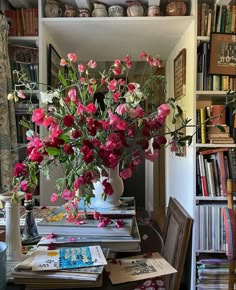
(70, 11)
(135, 9)
(100, 10)
(176, 8)
(83, 12)
(154, 10)
(52, 9)
(115, 11)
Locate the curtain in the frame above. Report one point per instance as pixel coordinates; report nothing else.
(8, 139)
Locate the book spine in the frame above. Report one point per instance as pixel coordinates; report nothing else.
(221, 162)
(203, 125)
(232, 162)
(203, 175)
(233, 23)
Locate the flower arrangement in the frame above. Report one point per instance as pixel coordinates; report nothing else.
(87, 135)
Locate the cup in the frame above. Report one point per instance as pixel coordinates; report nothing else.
(3, 265)
(116, 11)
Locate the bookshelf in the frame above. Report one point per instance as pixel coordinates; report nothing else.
(23, 41)
(211, 92)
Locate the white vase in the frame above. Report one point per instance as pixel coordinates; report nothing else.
(13, 234)
(117, 184)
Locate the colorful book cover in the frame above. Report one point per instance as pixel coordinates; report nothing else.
(68, 258)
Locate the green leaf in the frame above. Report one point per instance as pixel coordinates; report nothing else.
(180, 111)
(221, 128)
(53, 151)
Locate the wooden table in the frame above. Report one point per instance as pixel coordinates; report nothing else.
(151, 242)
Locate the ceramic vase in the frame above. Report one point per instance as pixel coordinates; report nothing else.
(117, 184)
(13, 234)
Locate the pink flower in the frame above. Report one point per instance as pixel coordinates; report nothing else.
(131, 87)
(81, 68)
(126, 173)
(117, 71)
(117, 62)
(38, 116)
(121, 109)
(54, 197)
(19, 169)
(120, 223)
(91, 108)
(161, 139)
(63, 62)
(68, 120)
(143, 54)
(136, 112)
(112, 85)
(116, 97)
(72, 57)
(92, 64)
(67, 194)
(151, 156)
(21, 95)
(97, 215)
(104, 222)
(68, 149)
(108, 190)
(163, 110)
(24, 185)
(72, 94)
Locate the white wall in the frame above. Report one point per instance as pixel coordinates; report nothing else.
(179, 170)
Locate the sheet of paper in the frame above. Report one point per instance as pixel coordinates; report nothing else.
(138, 268)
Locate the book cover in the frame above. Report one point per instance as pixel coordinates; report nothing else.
(68, 258)
(138, 268)
(59, 225)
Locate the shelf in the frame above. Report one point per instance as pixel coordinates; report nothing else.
(198, 145)
(210, 251)
(210, 198)
(24, 40)
(120, 35)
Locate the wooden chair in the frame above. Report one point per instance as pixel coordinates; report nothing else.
(229, 216)
(176, 234)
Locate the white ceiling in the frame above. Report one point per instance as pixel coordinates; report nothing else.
(106, 38)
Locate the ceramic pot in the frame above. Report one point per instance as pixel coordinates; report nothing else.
(70, 11)
(116, 11)
(117, 184)
(135, 9)
(52, 9)
(176, 8)
(99, 10)
(83, 12)
(154, 10)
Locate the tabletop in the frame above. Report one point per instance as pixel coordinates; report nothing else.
(150, 242)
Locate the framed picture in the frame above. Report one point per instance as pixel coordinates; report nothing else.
(53, 67)
(222, 54)
(180, 75)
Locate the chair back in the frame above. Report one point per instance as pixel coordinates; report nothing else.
(176, 234)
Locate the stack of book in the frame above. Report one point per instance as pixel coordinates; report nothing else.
(61, 268)
(123, 239)
(213, 274)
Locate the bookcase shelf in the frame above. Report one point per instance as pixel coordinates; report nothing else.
(211, 90)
